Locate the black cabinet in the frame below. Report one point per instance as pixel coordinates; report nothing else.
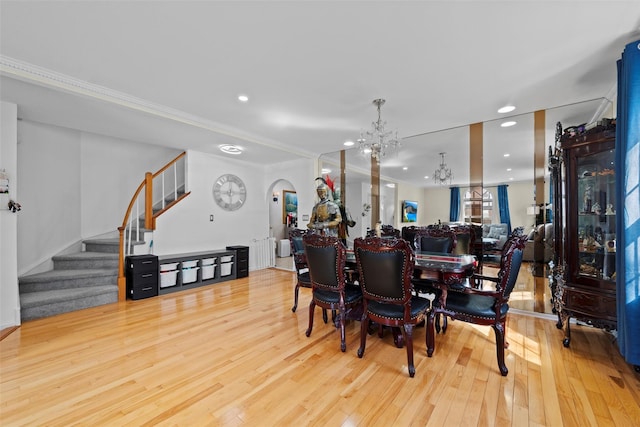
(242, 260)
(142, 276)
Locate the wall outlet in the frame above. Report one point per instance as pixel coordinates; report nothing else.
(211, 218)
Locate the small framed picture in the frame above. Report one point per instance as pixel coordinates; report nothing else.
(289, 207)
(409, 211)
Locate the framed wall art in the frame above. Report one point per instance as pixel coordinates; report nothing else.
(289, 208)
(409, 211)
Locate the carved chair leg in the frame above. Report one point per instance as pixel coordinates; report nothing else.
(364, 327)
(408, 337)
(499, 328)
(295, 297)
(324, 315)
(341, 321)
(431, 333)
(567, 331)
(312, 306)
(506, 342)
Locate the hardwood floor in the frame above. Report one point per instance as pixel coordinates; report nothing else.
(233, 354)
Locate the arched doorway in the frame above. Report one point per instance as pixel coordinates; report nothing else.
(281, 195)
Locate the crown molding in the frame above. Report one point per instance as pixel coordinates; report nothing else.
(52, 79)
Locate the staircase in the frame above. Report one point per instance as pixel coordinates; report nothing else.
(80, 280)
(95, 276)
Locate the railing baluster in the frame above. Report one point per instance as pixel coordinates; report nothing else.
(175, 181)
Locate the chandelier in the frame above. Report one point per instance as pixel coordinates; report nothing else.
(443, 173)
(378, 141)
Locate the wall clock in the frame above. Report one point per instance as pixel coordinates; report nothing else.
(229, 192)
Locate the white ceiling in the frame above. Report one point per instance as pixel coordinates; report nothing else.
(169, 72)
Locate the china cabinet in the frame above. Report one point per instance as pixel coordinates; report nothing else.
(585, 289)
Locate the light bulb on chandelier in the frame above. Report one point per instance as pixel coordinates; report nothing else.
(378, 141)
(443, 173)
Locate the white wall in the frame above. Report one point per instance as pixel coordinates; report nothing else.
(187, 228)
(49, 185)
(116, 167)
(76, 185)
(520, 197)
(437, 201)
(9, 298)
(73, 186)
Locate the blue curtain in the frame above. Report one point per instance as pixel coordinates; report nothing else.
(454, 204)
(503, 206)
(628, 203)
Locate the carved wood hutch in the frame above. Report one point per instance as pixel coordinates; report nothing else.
(583, 278)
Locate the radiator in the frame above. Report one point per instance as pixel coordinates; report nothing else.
(284, 248)
(262, 253)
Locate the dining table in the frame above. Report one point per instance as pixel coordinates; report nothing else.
(446, 271)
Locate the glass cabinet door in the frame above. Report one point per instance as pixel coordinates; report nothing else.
(596, 206)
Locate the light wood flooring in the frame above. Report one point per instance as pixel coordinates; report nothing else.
(233, 354)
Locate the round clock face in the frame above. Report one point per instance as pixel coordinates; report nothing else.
(229, 192)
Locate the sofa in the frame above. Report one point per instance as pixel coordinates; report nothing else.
(495, 235)
(539, 245)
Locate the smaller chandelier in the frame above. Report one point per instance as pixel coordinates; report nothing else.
(443, 173)
(378, 141)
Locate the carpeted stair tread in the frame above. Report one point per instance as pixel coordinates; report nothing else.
(85, 256)
(86, 260)
(67, 274)
(34, 299)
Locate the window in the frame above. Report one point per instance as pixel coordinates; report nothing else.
(478, 208)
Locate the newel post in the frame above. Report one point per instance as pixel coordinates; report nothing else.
(148, 201)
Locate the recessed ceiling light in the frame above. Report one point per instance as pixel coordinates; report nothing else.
(508, 124)
(325, 171)
(366, 150)
(231, 149)
(243, 98)
(405, 168)
(506, 154)
(506, 109)
(511, 179)
(508, 169)
(427, 177)
(348, 143)
(391, 185)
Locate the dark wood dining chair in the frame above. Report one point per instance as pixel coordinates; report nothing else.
(386, 230)
(485, 307)
(439, 239)
(434, 239)
(326, 258)
(300, 263)
(385, 267)
(465, 239)
(408, 233)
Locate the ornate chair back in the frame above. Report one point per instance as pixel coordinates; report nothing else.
(465, 239)
(386, 230)
(408, 233)
(385, 267)
(435, 240)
